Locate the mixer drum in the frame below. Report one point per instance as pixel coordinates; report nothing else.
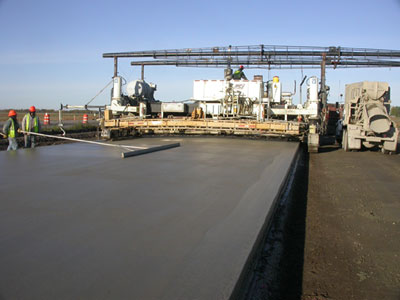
(379, 121)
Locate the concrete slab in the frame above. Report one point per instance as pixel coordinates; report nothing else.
(79, 222)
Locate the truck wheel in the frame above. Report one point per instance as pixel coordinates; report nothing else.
(345, 142)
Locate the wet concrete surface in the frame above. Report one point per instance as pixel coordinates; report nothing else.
(79, 222)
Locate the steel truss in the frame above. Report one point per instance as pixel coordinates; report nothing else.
(265, 56)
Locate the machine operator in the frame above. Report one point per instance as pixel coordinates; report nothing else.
(239, 74)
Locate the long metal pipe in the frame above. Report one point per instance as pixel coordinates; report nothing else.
(160, 54)
(83, 141)
(323, 86)
(301, 89)
(264, 63)
(115, 66)
(67, 106)
(264, 51)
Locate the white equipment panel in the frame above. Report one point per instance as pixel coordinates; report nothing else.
(214, 90)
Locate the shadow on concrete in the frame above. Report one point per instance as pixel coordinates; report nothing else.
(328, 144)
(398, 148)
(329, 148)
(292, 260)
(278, 267)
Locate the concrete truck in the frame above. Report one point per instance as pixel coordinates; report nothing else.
(366, 120)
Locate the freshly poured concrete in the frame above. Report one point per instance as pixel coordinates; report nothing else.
(79, 222)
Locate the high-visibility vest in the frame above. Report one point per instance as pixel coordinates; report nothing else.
(237, 74)
(11, 130)
(35, 123)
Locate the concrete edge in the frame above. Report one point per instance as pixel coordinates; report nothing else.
(244, 281)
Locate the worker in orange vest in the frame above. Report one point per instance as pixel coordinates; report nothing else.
(30, 123)
(10, 129)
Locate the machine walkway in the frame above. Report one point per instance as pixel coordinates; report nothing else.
(295, 130)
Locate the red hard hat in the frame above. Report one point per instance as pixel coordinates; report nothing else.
(32, 109)
(12, 113)
(241, 67)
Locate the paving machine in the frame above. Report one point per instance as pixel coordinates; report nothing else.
(245, 107)
(366, 120)
(228, 98)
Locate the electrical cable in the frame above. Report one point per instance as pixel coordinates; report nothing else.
(99, 92)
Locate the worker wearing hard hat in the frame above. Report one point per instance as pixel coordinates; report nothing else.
(239, 74)
(30, 123)
(10, 130)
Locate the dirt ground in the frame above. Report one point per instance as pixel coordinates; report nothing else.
(352, 227)
(336, 235)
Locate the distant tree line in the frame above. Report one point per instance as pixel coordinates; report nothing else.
(395, 111)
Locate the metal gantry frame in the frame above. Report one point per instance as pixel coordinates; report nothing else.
(265, 57)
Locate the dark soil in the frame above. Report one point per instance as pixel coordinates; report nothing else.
(337, 235)
(352, 236)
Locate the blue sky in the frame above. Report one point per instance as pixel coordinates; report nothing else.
(51, 51)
